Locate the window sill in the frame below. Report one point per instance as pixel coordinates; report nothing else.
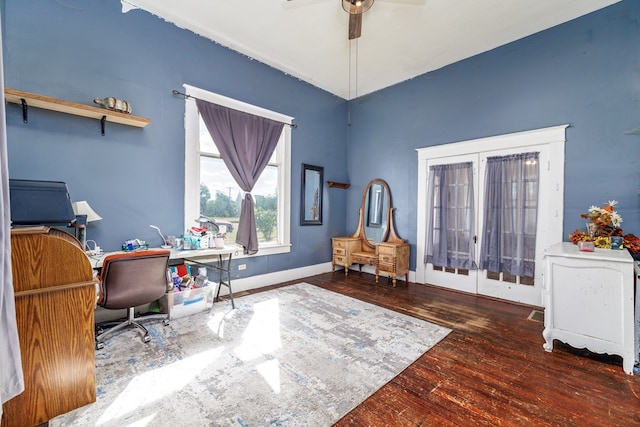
(268, 250)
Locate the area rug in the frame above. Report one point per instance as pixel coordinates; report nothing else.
(298, 355)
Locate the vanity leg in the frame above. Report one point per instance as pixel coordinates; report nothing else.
(394, 281)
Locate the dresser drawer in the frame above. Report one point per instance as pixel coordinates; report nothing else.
(388, 267)
(364, 259)
(387, 258)
(386, 250)
(340, 260)
(339, 243)
(339, 251)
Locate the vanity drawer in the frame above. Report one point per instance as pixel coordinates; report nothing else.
(388, 267)
(386, 250)
(340, 260)
(388, 258)
(340, 243)
(364, 259)
(339, 251)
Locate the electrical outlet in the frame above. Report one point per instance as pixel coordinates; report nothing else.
(242, 266)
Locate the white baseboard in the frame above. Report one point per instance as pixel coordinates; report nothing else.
(262, 280)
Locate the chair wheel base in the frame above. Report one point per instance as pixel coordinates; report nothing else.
(146, 338)
(165, 322)
(99, 345)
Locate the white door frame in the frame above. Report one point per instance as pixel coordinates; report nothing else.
(552, 137)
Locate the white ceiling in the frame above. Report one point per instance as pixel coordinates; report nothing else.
(401, 39)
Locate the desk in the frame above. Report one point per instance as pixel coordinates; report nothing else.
(217, 259)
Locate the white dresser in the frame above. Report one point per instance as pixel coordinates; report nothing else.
(589, 301)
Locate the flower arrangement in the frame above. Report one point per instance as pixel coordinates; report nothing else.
(604, 223)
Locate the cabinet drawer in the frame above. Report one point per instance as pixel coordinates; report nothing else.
(386, 250)
(339, 251)
(339, 244)
(390, 268)
(388, 258)
(340, 260)
(363, 259)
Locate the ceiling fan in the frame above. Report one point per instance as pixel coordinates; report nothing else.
(355, 9)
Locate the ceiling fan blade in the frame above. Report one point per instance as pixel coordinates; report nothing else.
(355, 26)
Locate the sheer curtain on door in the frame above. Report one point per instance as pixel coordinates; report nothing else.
(510, 214)
(450, 227)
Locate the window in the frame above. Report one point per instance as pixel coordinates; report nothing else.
(211, 190)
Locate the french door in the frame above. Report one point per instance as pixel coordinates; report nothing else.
(466, 198)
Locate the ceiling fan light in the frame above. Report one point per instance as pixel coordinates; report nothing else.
(356, 7)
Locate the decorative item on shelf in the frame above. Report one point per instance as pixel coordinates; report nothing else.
(603, 230)
(114, 104)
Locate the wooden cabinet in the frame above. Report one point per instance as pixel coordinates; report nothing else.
(55, 297)
(343, 250)
(589, 300)
(393, 260)
(389, 259)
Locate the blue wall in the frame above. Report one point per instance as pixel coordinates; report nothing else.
(585, 73)
(135, 177)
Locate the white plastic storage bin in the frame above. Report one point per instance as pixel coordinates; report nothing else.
(188, 301)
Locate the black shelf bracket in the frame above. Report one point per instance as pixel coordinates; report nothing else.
(25, 110)
(103, 122)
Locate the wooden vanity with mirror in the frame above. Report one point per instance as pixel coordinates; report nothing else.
(375, 242)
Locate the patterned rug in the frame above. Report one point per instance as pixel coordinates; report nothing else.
(293, 356)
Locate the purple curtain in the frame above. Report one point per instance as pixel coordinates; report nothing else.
(246, 143)
(450, 230)
(510, 214)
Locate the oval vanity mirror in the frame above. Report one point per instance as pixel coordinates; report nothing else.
(376, 205)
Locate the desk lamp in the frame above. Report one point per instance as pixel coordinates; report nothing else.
(84, 215)
(166, 244)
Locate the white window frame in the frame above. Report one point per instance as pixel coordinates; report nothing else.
(192, 166)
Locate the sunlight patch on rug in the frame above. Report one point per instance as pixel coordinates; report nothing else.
(297, 355)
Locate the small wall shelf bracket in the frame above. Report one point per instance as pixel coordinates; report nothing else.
(103, 122)
(336, 184)
(25, 110)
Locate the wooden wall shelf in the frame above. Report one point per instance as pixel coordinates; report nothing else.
(59, 105)
(335, 184)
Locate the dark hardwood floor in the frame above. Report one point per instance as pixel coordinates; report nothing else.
(490, 370)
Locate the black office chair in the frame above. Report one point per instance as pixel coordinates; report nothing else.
(128, 280)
